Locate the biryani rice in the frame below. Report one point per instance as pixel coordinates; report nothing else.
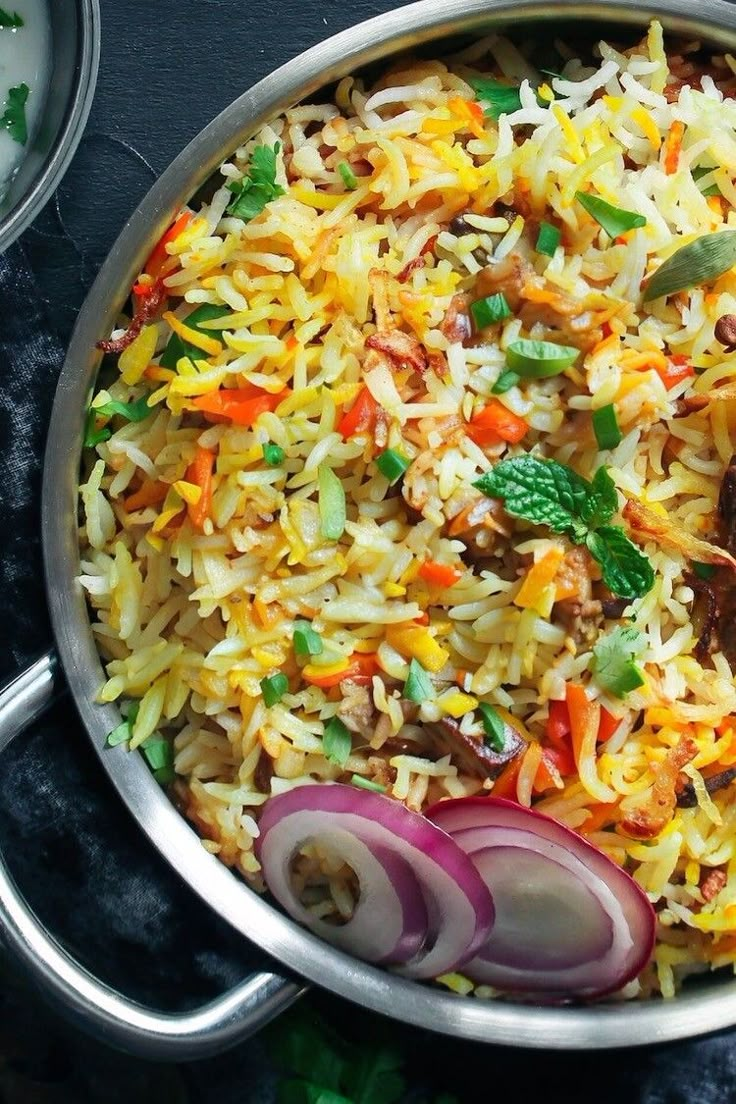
(189, 622)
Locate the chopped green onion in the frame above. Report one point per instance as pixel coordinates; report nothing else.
(337, 743)
(606, 428)
(349, 178)
(699, 262)
(505, 382)
(614, 220)
(273, 455)
(486, 312)
(418, 686)
(393, 465)
(136, 411)
(698, 173)
(703, 570)
(367, 783)
(157, 752)
(306, 640)
(273, 688)
(548, 239)
(493, 727)
(539, 359)
(165, 775)
(331, 501)
(123, 731)
(502, 99)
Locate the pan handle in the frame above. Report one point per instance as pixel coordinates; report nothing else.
(95, 1007)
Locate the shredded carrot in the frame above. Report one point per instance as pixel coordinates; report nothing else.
(159, 256)
(494, 423)
(672, 147)
(148, 494)
(199, 473)
(438, 574)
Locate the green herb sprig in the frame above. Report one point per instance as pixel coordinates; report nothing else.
(13, 118)
(10, 21)
(258, 187)
(548, 493)
(502, 99)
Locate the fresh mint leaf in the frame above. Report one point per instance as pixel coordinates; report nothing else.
(502, 99)
(258, 187)
(602, 501)
(13, 118)
(10, 20)
(176, 347)
(626, 571)
(613, 663)
(541, 491)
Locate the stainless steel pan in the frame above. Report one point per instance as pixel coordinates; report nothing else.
(98, 1008)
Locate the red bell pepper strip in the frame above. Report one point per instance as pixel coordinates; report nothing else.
(678, 368)
(495, 423)
(241, 406)
(361, 416)
(439, 574)
(159, 255)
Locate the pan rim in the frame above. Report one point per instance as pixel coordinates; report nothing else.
(595, 1027)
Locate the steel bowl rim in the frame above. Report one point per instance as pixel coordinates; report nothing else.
(65, 144)
(595, 1027)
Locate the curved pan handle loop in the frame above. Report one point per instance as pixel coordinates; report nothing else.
(95, 1007)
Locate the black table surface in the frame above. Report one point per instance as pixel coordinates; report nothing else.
(167, 67)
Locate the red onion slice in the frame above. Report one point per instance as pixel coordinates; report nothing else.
(534, 894)
(424, 869)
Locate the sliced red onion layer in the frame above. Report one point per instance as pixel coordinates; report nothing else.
(429, 909)
(569, 921)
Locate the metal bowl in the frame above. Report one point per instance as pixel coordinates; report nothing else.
(703, 1006)
(75, 55)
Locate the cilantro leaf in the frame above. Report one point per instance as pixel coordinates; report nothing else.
(254, 191)
(613, 663)
(502, 99)
(13, 118)
(625, 569)
(10, 20)
(541, 491)
(602, 501)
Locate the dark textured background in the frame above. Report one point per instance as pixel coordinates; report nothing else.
(82, 863)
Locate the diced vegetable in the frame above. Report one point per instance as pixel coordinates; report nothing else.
(241, 406)
(361, 417)
(505, 382)
(606, 428)
(614, 220)
(337, 742)
(439, 574)
(124, 730)
(548, 239)
(306, 640)
(486, 312)
(538, 582)
(392, 465)
(418, 686)
(273, 455)
(349, 178)
(699, 262)
(539, 359)
(676, 368)
(417, 642)
(494, 423)
(331, 502)
(273, 688)
(493, 726)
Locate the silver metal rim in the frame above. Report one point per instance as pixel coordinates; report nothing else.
(697, 1011)
(70, 135)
